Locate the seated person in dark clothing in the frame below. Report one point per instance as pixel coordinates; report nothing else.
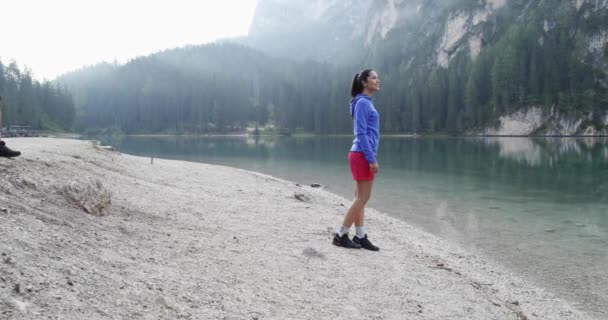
(7, 152)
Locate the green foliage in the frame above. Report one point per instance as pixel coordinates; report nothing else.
(26, 101)
(216, 88)
(534, 53)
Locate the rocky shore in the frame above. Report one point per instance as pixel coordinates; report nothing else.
(89, 233)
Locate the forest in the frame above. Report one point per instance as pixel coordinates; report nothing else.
(25, 101)
(535, 54)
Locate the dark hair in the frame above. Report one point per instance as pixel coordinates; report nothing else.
(357, 87)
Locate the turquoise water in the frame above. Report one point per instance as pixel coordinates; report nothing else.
(539, 206)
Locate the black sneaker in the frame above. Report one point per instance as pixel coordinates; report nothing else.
(7, 152)
(365, 243)
(344, 241)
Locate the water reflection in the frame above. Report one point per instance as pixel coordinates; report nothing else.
(523, 150)
(535, 151)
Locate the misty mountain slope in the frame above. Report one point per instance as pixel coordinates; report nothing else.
(457, 66)
(199, 89)
(360, 23)
(545, 54)
(321, 30)
(452, 25)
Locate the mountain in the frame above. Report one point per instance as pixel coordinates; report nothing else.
(450, 25)
(222, 87)
(481, 60)
(535, 67)
(319, 30)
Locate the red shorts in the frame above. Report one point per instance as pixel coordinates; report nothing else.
(359, 166)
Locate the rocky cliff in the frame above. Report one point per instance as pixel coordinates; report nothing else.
(538, 121)
(462, 25)
(414, 36)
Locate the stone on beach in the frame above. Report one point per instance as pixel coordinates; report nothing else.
(89, 195)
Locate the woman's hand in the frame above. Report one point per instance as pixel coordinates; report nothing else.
(374, 167)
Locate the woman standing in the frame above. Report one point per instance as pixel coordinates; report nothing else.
(362, 158)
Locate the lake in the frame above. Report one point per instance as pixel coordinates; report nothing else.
(537, 205)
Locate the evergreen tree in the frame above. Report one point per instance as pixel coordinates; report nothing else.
(534, 53)
(28, 102)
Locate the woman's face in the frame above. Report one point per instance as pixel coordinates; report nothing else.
(373, 82)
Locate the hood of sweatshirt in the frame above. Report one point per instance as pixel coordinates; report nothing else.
(356, 99)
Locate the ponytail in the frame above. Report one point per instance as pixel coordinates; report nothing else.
(357, 87)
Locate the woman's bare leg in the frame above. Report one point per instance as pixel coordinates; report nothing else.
(360, 219)
(355, 214)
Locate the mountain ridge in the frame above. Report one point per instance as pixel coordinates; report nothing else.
(457, 66)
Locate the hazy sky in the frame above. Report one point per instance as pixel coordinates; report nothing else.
(52, 37)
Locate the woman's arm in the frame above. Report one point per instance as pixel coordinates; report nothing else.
(362, 111)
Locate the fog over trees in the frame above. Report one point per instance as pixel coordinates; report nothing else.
(533, 53)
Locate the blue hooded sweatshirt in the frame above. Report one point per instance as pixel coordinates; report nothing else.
(367, 127)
